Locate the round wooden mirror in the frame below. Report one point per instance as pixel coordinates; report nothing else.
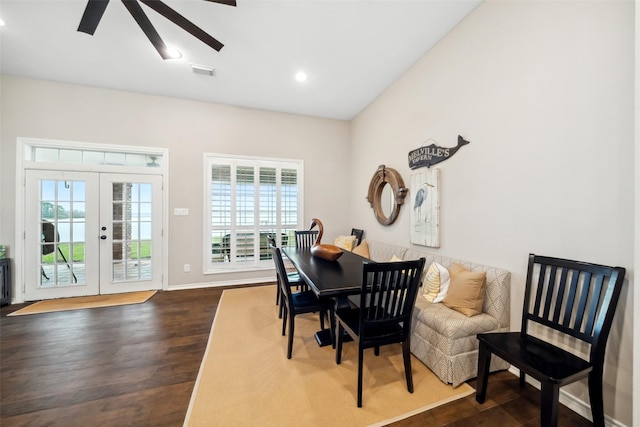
(386, 194)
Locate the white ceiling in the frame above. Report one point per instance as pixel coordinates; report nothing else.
(352, 50)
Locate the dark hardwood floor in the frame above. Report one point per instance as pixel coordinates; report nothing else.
(136, 365)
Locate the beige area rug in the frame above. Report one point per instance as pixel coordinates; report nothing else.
(76, 303)
(246, 379)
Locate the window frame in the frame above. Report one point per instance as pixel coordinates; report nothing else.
(234, 161)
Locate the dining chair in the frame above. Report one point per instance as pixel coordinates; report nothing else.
(358, 233)
(294, 280)
(305, 238)
(574, 302)
(302, 302)
(383, 317)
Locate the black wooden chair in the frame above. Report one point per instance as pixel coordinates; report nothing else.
(567, 298)
(299, 302)
(294, 280)
(384, 314)
(305, 238)
(358, 233)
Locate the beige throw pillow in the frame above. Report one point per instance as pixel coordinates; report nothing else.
(436, 283)
(345, 242)
(466, 290)
(362, 249)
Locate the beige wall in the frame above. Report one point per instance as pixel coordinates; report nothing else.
(636, 326)
(39, 109)
(544, 92)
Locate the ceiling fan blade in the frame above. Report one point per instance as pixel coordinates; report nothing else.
(143, 21)
(227, 2)
(183, 23)
(92, 16)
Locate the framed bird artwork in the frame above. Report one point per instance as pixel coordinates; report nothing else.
(425, 208)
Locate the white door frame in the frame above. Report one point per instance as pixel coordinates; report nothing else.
(88, 282)
(23, 162)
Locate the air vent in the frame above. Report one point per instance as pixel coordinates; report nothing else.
(201, 69)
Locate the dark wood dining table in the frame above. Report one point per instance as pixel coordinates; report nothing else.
(334, 279)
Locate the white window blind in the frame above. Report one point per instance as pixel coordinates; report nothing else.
(250, 200)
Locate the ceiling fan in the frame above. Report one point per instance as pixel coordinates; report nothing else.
(95, 9)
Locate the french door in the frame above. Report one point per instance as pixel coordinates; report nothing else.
(90, 233)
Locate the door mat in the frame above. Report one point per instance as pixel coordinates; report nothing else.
(77, 303)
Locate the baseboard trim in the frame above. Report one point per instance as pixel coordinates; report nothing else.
(254, 281)
(570, 401)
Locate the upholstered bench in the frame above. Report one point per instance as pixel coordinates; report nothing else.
(443, 338)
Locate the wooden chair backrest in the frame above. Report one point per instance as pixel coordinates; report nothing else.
(358, 233)
(388, 294)
(572, 297)
(306, 238)
(281, 275)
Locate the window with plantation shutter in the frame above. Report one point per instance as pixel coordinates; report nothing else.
(250, 200)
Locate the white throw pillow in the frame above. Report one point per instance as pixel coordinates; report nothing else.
(436, 283)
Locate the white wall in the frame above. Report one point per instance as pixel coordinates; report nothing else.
(40, 109)
(544, 92)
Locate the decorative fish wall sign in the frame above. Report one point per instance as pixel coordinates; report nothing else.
(432, 154)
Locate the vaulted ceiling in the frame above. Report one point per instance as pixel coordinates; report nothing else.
(351, 50)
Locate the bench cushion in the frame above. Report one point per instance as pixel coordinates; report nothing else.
(452, 324)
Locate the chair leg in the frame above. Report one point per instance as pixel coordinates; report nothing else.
(523, 378)
(285, 312)
(339, 334)
(376, 350)
(406, 352)
(278, 295)
(595, 396)
(484, 360)
(360, 363)
(290, 337)
(322, 313)
(332, 325)
(549, 404)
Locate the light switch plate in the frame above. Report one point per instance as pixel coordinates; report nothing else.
(181, 211)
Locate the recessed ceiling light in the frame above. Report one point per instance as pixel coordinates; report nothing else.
(1, 22)
(301, 76)
(173, 53)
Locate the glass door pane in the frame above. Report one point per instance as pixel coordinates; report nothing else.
(131, 247)
(131, 241)
(62, 220)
